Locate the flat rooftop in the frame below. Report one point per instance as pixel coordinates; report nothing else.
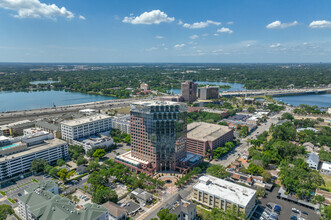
(36, 148)
(223, 189)
(127, 157)
(203, 131)
(156, 103)
(86, 119)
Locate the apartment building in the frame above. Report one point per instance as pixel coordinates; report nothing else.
(122, 123)
(218, 193)
(40, 203)
(18, 159)
(85, 126)
(204, 137)
(15, 128)
(209, 92)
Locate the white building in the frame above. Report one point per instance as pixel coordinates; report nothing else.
(326, 168)
(122, 123)
(20, 162)
(313, 160)
(92, 142)
(35, 136)
(217, 193)
(85, 126)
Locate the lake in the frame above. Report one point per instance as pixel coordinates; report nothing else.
(321, 100)
(13, 101)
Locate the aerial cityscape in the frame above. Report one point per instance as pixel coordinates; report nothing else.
(164, 110)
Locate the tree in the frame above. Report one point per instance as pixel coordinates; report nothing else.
(266, 176)
(62, 174)
(244, 131)
(286, 131)
(287, 116)
(255, 169)
(104, 194)
(99, 153)
(260, 192)
(319, 198)
(165, 214)
(81, 160)
(224, 123)
(93, 165)
(60, 162)
(38, 165)
(5, 210)
(251, 109)
(218, 171)
(127, 139)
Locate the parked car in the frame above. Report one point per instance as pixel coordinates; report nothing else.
(304, 213)
(295, 210)
(293, 217)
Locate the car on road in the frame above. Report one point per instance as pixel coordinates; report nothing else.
(293, 217)
(295, 210)
(304, 213)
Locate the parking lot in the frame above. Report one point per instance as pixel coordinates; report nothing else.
(16, 190)
(286, 206)
(121, 149)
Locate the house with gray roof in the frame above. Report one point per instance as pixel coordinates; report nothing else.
(116, 212)
(313, 160)
(41, 204)
(142, 196)
(184, 210)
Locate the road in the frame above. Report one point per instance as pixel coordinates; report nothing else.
(243, 145)
(9, 117)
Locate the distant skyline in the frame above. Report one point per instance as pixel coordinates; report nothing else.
(216, 31)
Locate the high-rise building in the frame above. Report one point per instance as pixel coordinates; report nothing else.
(189, 91)
(158, 137)
(209, 92)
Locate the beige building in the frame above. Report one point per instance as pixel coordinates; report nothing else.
(204, 137)
(218, 193)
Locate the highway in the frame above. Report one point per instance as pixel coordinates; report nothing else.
(9, 117)
(277, 92)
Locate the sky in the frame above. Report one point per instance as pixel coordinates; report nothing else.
(217, 31)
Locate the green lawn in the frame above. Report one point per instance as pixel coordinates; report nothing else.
(327, 180)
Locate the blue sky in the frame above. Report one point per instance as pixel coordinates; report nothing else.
(165, 31)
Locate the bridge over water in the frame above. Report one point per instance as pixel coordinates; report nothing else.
(277, 92)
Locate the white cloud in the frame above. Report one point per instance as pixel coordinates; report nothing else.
(35, 9)
(205, 35)
(166, 48)
(180, 22)
(216, 34)
(230, 23)
(201, 24)
(82, 17)
(152, 17)
(179, 45)
(275, 45)
(320, 24)
(151, 49)
(280, 25)
(193, 37)
(225, 30)
(159, 37)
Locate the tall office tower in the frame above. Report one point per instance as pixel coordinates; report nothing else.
(158, 136)
(209, 92)
(189, 91)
